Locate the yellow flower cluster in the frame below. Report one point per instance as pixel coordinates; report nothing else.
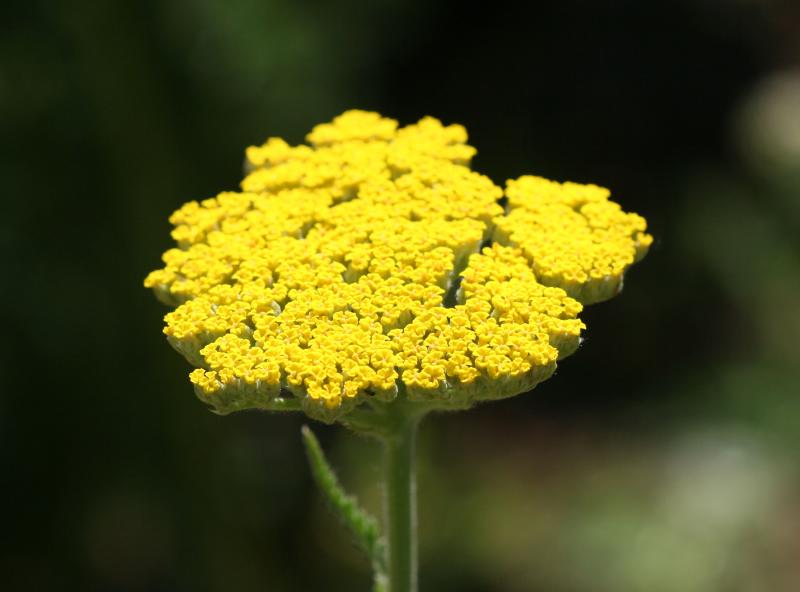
(374, 262)
(573, 236)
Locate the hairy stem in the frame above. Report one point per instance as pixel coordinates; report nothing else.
(401, 505)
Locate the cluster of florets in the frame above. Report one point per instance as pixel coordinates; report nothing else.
(375, 261)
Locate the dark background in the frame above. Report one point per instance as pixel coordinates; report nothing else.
(662, 457)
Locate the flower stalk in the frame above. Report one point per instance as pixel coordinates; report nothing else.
(400, 505)
(394, 554)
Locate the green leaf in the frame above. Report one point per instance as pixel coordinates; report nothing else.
(362, 525)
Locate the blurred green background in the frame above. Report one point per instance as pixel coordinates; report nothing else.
(662, 457)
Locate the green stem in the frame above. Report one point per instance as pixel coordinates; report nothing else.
(401, 505)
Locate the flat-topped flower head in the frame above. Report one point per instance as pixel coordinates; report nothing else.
(374, 264)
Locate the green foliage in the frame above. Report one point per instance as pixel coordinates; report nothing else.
(362, 525)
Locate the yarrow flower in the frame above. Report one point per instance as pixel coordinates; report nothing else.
(374, 264)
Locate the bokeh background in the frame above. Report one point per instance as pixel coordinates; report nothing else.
(663, 457)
